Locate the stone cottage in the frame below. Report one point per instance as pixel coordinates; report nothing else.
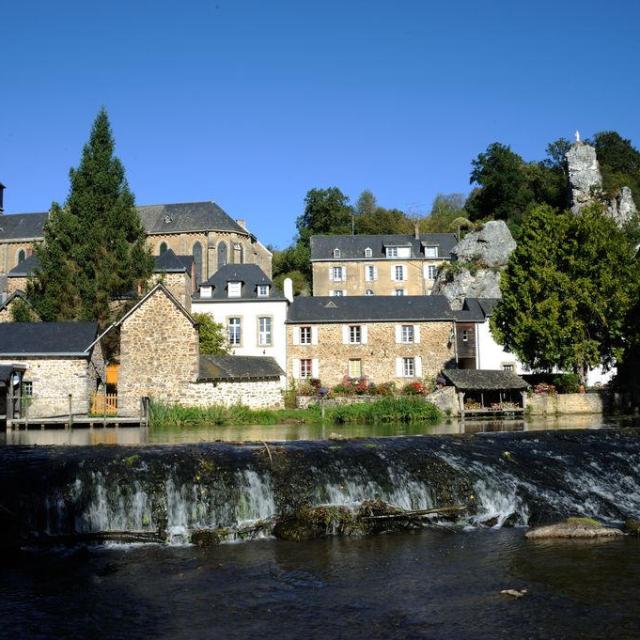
(63, 364)
(383, 338)
(159, 359)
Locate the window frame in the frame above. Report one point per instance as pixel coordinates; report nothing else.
(341, 270)
(408, 331)
(26, 388)
(432, 271)
(368, 253)
(396, 268)
(263, 291)
(305, 332)
(237, 286)
(337, 253)
(234, 328)
(306, 371)
(266, 333)
(391, 252)
(433, 248)
(355, 334)
(408, 367)
(369, 292)
(359, 374)
(400, 292)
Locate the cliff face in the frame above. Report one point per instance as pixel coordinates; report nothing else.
(585, 185)
(478, 260)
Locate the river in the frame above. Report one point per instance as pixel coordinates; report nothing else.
(443, 581)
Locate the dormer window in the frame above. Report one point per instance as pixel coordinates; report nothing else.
(367, 252)
(336, 253)
(431, 251)
(263, 291)
(234, 289)
(206, 291)
(392, 252)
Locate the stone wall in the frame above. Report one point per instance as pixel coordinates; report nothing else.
(158, 353)
(16, 284)
(9, 253)
(564, 403)
(257, 394)
(355, 284)
(178, 284)
(378, 355)
(53, 379)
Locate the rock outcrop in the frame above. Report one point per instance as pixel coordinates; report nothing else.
(572, 528)
(585, 185)
(477, 262)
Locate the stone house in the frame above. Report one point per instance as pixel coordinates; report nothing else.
(7, 306)
(201, 230)
(382, 338)
(18, 277)
(383, 265)
(159, 359)
(253, 311)
(177, 273)
(63, 364)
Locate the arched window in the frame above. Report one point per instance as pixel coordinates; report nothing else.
(21, 256)
(163, 247)
(197, 259)
(336, 253)
(222, 254)
(367, 252)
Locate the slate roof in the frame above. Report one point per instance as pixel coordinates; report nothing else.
(238, 368)
(25, 268)
(17, 226)
(476, 309)
(325, 309)
(47, 338)
(353, 247)
(187, 216)
(169, 262)
(484, 379)
(12, 297)
(157, 218)
(251, 275)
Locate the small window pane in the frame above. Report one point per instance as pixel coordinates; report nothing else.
(355, 334)
(305, 368)
(407, 333)
(408, 367)
(355, 368)
(235, 336)
(264, 334)
(305, 335)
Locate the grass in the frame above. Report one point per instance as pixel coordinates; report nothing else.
(380, 411)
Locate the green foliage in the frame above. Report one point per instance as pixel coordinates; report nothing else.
(404, 409)
(22, 311)
(326, 211)
(619, 163)
(300, 282)
(567, 383)
(94, 247)
(448, 214)
(567, 291)
(212, 338)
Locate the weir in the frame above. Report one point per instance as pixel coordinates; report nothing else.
(177, 494)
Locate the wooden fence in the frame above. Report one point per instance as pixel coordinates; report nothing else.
(104, 404)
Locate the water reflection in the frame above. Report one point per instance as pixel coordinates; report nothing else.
(284, 432)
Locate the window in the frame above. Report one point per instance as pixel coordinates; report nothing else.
(392, 252)
(263, 290)
(408, 367)
(234, 289)
(369, 273)
(206, 291)
(27, 389)
(509, 367)
(264, 331)
(21, 256)
(355, 334)
(163, 247)
(368, 253)
(305, 368)
(398, 272)
(465, 335)
(196, 252)
(355, 368)
(305, 335)
(408, 335)
(338, 274)
(369, 292)
(234, 332)
(398, 292)
(336, 253)
(337, 292)
(432, 272)
(431, 252)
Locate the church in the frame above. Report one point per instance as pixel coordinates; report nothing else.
(202, 230)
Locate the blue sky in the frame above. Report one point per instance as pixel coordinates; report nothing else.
(251, 103)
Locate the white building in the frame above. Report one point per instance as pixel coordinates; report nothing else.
(253, 312)
(477, 348)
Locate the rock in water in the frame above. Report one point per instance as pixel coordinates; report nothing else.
(478, 259)
(574, 528)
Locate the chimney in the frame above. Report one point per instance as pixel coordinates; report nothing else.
(416, 230)
(1, 198)
(287, 285)
(242, 223)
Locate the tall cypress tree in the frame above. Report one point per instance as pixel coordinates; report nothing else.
(94, 246)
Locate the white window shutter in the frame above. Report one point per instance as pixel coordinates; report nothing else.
(418, 364)
(375, 273)
(345, 334)
(393, 274)
(296, 335)
(398, 334)
(364, 334)
(331, 274)
(416, 333)
(398, 367)
(366, 274)
(296, 368)
(314, 335)
(315, 368)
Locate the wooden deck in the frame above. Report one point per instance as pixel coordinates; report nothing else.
(76, 422)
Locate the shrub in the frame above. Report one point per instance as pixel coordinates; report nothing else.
(567, 383)
(385, 389)
(386, 410)
(413, 389)
(543, 387)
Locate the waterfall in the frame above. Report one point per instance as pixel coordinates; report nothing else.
(168, 493)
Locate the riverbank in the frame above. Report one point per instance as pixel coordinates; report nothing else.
(385, 410)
